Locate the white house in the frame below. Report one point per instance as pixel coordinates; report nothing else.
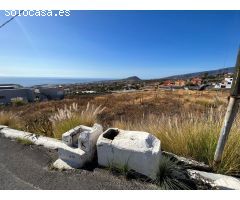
(228, 82)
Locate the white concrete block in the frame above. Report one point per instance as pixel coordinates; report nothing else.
(88, 138)
(70, 138)
(83, 137)
(80, 145)
(74, 157)
(139, 151)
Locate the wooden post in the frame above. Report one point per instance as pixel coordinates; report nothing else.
(230, 114)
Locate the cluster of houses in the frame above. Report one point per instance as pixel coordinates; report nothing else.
(226, 83)
(181, 82)
(11, 92)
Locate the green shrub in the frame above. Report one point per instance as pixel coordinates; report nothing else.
(18, 101)
(171, 176)
(24, 141)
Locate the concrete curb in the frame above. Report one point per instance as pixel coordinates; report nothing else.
(216, 181)
(47, 142)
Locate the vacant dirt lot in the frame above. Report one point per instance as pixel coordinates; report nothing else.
(128, 106)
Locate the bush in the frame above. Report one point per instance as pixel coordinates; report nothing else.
(18, 101)
(70, 117)
(172, 176)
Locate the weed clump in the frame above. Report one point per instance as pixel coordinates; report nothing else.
(69, 117)
(11, 120)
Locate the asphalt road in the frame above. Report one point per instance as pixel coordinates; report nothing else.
(28, 167)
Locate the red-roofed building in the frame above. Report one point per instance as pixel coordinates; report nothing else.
(168, 83)
(196, 81)
(180, 83)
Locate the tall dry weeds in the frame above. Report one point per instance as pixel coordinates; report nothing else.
(11, 120)
(71, 116)
(192, 135)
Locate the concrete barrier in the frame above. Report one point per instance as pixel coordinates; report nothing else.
(73, 157)
(139, 151)
(81, 146)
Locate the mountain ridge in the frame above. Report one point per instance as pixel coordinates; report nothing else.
(198, 74)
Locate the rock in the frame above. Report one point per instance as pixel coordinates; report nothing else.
(216, 181)
(188, 163)
(60, 164)
(134, 150)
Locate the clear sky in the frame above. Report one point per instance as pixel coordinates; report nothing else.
(118, 44)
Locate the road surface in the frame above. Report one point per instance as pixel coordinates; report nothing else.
(28, 167)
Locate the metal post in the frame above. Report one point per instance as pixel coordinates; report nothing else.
(230, 114)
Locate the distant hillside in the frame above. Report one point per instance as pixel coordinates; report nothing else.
(131, 78)
(198, 74)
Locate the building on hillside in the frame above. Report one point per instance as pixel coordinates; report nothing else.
(51, 92)
(9, 86)
(196, 81)
(168, 83)
(180, 83)
(7, 96)
(11, 92)
(228, 82)
(89, 92)
(228, 75)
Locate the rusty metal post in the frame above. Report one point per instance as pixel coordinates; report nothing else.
(230, 113)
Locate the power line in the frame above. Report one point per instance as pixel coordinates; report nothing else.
(10, 19)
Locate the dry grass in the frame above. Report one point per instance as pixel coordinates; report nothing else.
(186, 122)
(192, 135)
(10, 119)
(70, 117)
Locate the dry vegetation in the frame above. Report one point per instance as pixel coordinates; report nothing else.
(186, 122)
(69, 117)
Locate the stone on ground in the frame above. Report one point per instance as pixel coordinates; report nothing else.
(60, 164)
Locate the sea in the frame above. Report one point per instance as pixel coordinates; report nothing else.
(31, 81)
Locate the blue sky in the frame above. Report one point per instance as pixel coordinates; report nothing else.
(118, 44)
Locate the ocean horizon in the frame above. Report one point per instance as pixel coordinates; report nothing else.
(32, 81)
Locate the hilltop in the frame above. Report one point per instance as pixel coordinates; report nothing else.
(131, 78)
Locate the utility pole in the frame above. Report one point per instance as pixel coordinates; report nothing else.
(230, 113)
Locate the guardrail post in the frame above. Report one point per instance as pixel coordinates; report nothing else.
(230, 113)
